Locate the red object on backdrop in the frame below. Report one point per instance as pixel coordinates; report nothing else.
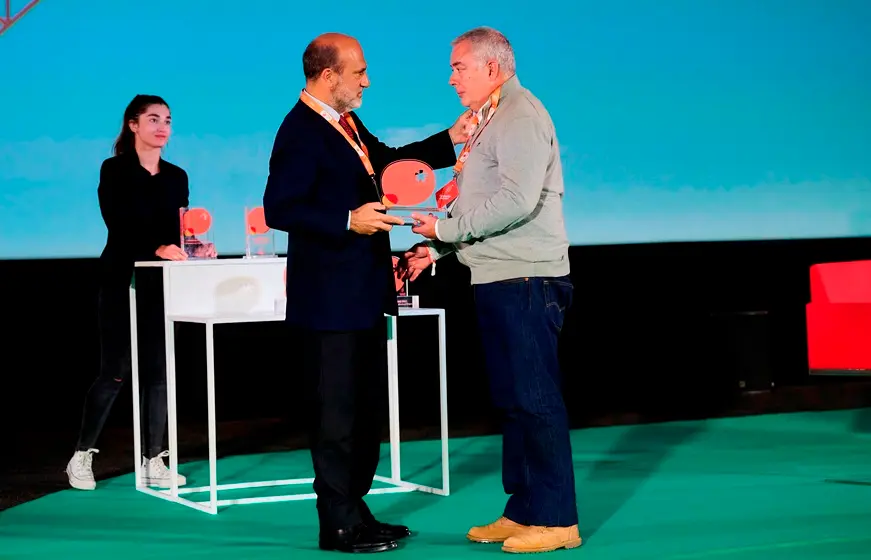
(839, 317)
(9, 19)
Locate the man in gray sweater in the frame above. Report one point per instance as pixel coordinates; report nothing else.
(505, 223)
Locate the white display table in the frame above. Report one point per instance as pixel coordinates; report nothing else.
(222, 291)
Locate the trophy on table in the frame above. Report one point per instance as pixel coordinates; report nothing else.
(259, 238)
(406, 184)
(402, 296)
(196, 239)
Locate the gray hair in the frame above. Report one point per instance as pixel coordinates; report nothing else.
(489, 44)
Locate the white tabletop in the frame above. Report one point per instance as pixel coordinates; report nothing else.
(213, 262)
(226, 318)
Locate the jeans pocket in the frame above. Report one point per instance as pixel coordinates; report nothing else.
(557, 298)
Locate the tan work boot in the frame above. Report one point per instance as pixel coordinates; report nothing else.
(543, 539)
(496, 532)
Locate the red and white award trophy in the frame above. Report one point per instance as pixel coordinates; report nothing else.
(406, 185)
(259, 238)
(195, 236)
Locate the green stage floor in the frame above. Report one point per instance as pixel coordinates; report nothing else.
(789, 486)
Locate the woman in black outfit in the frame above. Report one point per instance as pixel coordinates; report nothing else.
(140, 195)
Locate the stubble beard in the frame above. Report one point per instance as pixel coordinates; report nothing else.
(343, 101)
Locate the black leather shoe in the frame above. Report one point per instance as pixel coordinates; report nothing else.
(388, 531)
(359, 538)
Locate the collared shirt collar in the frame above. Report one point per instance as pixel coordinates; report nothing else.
(507, 86)
(332, 112)
(510, 85)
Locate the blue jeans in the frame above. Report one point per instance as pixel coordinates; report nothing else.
(520, 321)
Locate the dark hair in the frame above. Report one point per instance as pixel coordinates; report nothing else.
(318, 56)
(125, 142)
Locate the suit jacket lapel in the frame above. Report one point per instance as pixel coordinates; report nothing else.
(332, 131)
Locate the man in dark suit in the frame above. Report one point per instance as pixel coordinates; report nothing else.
(323, 191)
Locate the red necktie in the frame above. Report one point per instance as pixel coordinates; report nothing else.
(350, 131)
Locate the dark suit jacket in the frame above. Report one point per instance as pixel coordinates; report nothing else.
(337, 280)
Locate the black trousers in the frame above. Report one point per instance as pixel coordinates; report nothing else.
(113, 310)
(345, 379)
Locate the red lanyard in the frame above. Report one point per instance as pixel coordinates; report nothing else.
(464, 153)
(360, 149)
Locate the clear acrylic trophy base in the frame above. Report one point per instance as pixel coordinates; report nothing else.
(199, 250)
(260, 246)
(405, 212)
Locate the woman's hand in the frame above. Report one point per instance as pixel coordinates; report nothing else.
(171, 253)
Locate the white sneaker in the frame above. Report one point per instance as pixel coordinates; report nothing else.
(156, 473)
(79, 470)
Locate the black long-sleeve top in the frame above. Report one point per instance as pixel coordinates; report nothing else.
(141, 213)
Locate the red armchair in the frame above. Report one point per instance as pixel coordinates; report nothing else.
(839, 318)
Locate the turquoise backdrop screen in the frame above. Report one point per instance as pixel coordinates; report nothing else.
(680, 120)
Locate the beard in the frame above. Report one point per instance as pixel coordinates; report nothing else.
(345, 100)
